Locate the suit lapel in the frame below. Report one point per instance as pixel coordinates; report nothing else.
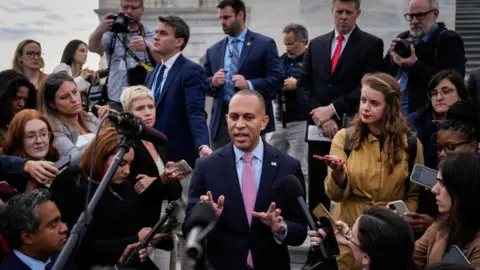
(327, 56)
(172, 73)
(229, 174)
(349, 49)
(247, 46)
(221, 53)
(269, 169)
(146, 157)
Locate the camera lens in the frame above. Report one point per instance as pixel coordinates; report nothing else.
(402, 48)
(392, 206)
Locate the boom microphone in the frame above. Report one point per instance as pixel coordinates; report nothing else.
(134, 129)
(328, 248)
(200, 223)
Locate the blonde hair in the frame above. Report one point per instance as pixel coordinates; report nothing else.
(393, 124)
(132, 93)
(16, 65)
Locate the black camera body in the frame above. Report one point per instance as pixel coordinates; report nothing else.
(120, 23)
(402, 47)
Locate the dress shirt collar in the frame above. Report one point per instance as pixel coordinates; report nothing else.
(169, 63)
(257, 152)
(241, 37)
(30, 262)
(346, 36)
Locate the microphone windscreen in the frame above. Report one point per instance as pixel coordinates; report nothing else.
(293, 186)
(202, 215)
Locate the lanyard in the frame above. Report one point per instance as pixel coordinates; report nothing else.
(132, 54)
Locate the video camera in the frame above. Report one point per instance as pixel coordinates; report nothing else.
(120, 23)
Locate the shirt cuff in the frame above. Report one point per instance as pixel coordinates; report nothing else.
(335, 111)
(200, 148)
(279, 238)
(250, 85)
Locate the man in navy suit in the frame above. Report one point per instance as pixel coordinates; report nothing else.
(244, 181)
(242, 60)
(178, 85)
(32, 227)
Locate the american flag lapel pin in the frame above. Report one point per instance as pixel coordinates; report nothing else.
(249, 44)
(274, 164)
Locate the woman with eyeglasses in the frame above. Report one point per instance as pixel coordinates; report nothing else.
(457, 197)
(28, 60)
(16, 93)
(73, 58)
(60, 100)
(376, 170)
(30, 136)
(445, 89)
(379, 240)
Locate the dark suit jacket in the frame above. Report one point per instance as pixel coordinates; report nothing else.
(473, 84)
(11, 164)
(13, 262)
(229, 242)
(259, 63)
(151, 199)
(181, 109)
(317, 87)
(443, 50)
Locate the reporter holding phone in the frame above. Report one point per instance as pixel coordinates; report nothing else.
(379, 240)
(457, 196)
(154, 177)
(376, 170)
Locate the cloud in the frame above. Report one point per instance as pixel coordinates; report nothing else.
(54, 17)
(7, 9)
(21, 7)
(22, 33)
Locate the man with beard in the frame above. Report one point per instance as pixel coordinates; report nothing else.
(243, 60)
(436, 49)
(138, 38)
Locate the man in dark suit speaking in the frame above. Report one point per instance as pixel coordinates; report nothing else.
(242, 60)
(245, 178)
(329, 84)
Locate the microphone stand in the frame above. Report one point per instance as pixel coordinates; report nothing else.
(80, 228)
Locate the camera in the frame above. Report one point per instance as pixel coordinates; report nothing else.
(120, 23)
(402, 48)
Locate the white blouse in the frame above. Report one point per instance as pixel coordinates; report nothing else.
(82, 84)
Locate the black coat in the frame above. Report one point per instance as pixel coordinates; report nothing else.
(151, 199)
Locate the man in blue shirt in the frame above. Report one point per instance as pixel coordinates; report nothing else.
(242, 60)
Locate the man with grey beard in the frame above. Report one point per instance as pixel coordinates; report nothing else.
(427, 48)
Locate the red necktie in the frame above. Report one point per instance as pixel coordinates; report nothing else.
(336, 54)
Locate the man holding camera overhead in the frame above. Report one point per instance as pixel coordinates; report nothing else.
(125, 41)
(427, 48)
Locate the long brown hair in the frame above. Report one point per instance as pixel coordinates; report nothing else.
(16, 65)
(393, 124)
(16, 132)
(107, 145)
(46, 96)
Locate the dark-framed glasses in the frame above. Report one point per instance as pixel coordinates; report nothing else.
(420, 16)
(44, 135)
(56, 78)
(450, 147)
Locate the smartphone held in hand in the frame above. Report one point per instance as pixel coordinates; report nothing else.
(183, 167)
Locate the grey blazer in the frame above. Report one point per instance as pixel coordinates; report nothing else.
(65, 141)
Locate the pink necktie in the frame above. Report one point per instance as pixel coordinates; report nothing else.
(336, 54)
(249, 193)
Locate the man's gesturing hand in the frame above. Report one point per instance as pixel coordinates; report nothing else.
(218, 206)
(272, 218)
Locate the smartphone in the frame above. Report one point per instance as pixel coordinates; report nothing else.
(183, 167)
(455, 255)
(321, 211)
(424, 176)
(400, 207)
(62, 164)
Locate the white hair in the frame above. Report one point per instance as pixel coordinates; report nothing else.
(132, 93)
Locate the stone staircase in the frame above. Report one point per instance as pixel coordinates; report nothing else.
(467, 25)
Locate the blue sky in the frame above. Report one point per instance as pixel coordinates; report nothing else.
(51, 22)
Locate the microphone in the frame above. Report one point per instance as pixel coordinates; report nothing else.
(201, 222)
(294, 187)
(132, 256)
(133, 128)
